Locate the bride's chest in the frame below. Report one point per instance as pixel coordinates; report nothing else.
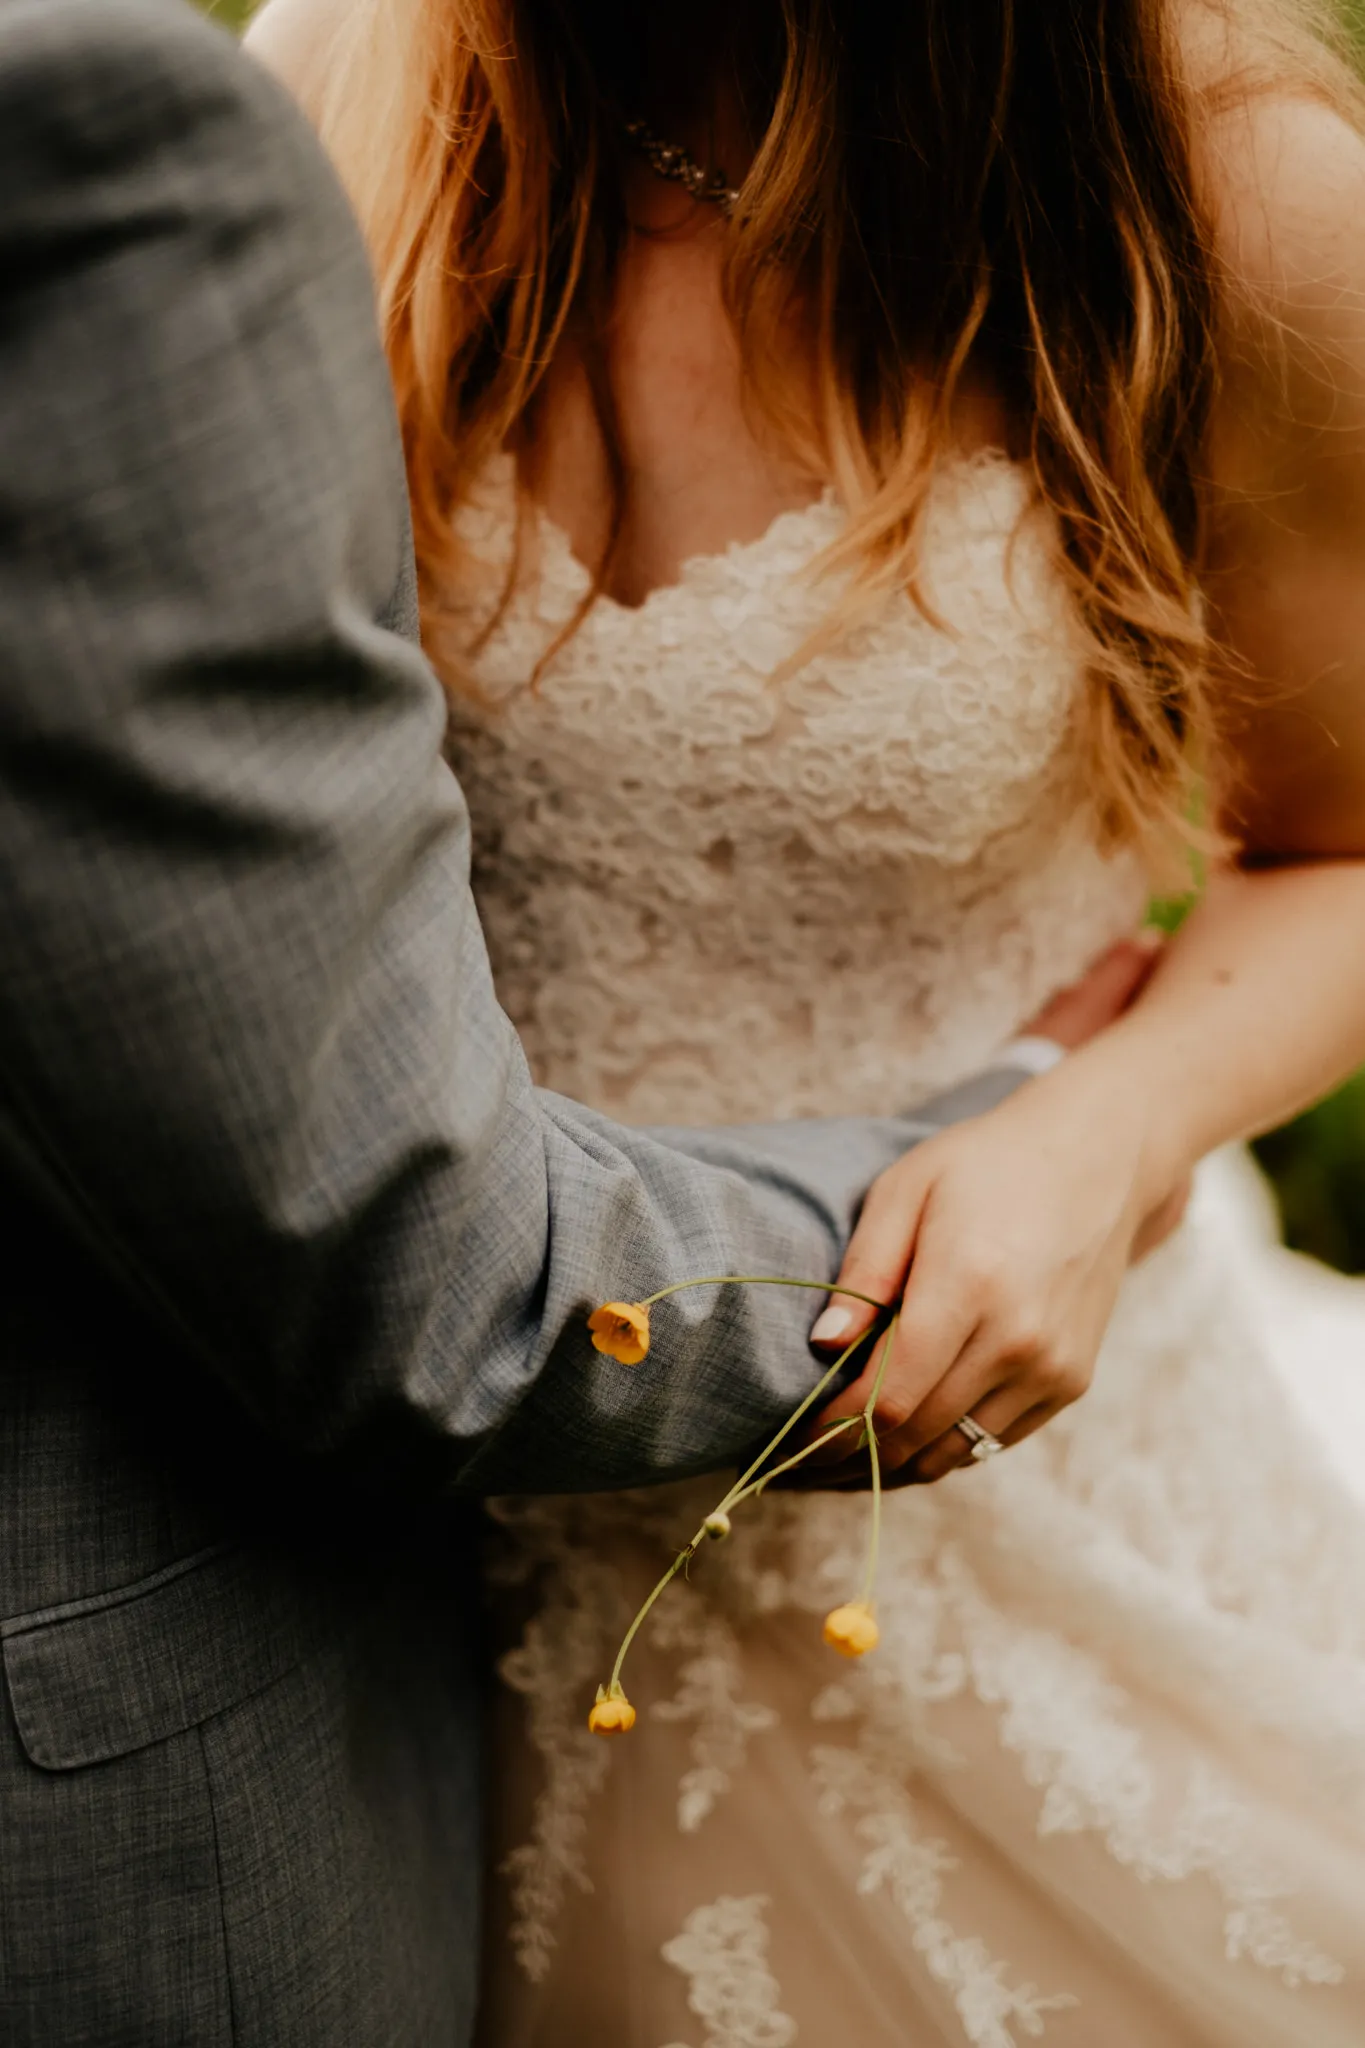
(711, 724)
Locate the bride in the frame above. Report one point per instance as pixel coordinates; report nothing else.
(890, 488)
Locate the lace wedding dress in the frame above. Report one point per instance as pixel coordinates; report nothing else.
(1103, 1784)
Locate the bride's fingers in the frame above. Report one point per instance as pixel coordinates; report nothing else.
(854, 1475)
(935, 1327)
(878, 1255)
(978, 1383)
(1031, 1421)
(952, 1449)
(998, 1411)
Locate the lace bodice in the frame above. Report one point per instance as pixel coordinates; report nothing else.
(712, 896)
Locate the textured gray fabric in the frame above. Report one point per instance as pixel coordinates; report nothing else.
(298, 1259)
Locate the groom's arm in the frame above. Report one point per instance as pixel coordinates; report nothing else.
(249, 1046)
(725, 1365)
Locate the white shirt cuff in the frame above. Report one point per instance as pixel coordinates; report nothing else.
(1031, 1055)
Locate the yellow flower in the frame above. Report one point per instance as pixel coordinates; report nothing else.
(717, 1525)
(852, 1630)
(612, 1714)
(621, 1330)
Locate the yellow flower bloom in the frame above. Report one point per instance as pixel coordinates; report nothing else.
(612, 1716)
(852, 1630)
(621, 1330)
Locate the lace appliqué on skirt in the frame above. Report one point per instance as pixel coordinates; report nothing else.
(723, 1952)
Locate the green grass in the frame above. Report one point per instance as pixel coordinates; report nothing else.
(1318, 1162)
(232, 13)
(1318, 1167)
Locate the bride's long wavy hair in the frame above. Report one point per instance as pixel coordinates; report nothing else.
(995, 188)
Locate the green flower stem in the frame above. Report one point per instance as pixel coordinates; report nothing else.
(874, 1455)
(826, 1380)
(614, 1685)
(741, 1484)
(758, 1280)
(756, 1486)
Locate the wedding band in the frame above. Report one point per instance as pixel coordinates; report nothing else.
(983, 1444)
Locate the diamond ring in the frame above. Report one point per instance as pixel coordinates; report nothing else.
(983, 1444)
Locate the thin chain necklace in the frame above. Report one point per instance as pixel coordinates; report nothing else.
(668, 160)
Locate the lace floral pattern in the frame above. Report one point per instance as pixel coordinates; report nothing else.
(553, 1667)
(723, 1953)
(677, 821)
(1137, 1630)
(709, 1696)
(867, 1784)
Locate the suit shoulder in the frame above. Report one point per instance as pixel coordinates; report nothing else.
(103, 73)
(61, 40)
(109, 103)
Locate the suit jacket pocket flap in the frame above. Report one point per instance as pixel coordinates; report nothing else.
(100, 1678)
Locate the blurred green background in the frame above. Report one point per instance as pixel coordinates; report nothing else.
(1316, 1163)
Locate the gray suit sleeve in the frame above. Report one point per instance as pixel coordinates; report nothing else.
(249, 1046)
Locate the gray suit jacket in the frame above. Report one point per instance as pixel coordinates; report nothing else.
(296, 1257)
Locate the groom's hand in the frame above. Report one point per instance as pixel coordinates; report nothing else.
(1113, 985)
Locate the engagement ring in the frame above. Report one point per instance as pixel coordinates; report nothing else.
(983, 1444)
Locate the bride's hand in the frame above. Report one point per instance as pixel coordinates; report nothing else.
(1015, 1230)
(1019, 1227)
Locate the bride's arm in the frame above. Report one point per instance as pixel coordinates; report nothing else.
(1022, 1224)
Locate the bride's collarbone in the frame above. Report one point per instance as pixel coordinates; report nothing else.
(700, 474)
(702, 470)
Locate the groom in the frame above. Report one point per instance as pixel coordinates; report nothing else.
(296, 1258)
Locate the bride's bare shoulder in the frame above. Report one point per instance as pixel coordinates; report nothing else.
(1279, 154)
(294, 39)
(1285, 182)
(1281, 163)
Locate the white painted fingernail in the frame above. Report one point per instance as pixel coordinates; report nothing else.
(832, 1325)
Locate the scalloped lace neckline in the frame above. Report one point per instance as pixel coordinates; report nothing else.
(816, 525)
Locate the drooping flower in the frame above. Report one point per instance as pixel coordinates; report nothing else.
(621, 1330)
(852, 1630)
(612, 1713)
